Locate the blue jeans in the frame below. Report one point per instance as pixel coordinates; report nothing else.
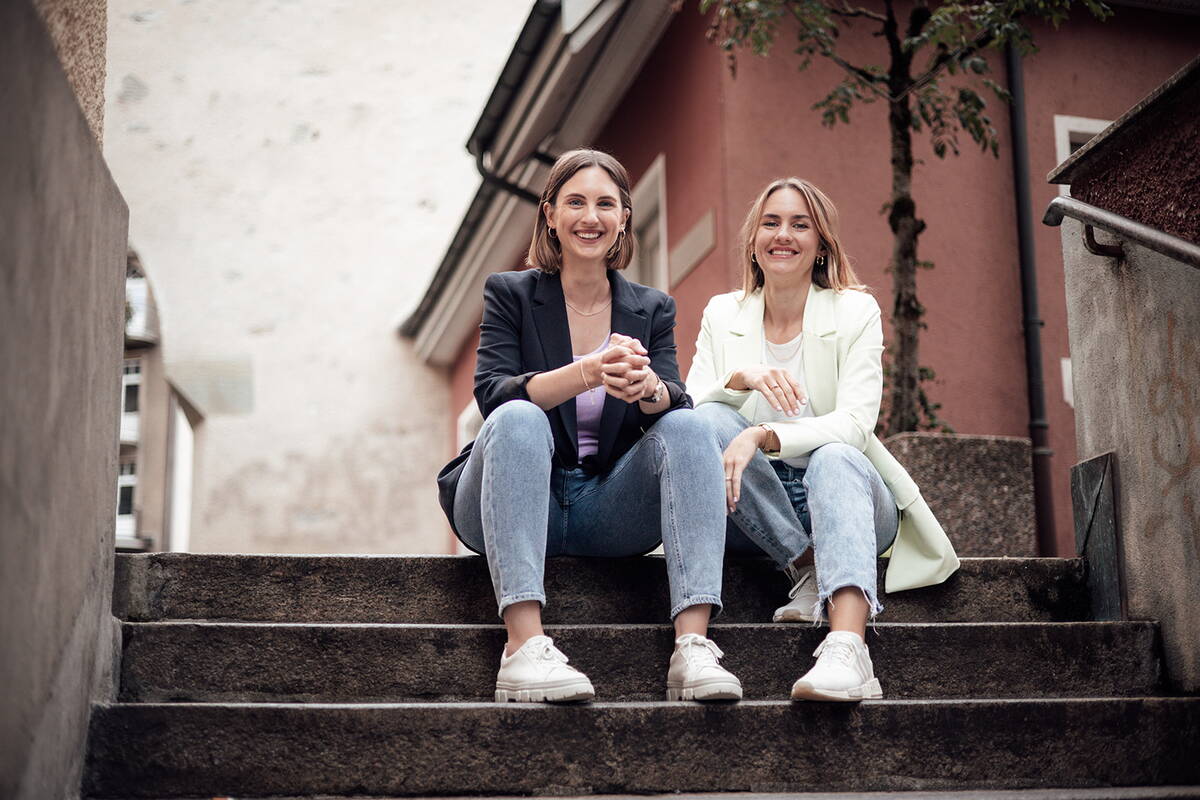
(514, 505)
(838, 504)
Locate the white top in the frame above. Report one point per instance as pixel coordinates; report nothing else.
(787, 356)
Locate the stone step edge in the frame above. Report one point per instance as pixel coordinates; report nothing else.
(454, 706)
(639, 626)
(1100, 793)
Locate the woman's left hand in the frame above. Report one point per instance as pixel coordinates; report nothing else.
(629, 378)
(737, 456)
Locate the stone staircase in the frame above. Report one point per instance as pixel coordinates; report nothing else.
(272, 676)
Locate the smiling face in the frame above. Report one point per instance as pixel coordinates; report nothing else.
(786, 242)
(586, 216)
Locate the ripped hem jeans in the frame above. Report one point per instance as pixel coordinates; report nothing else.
(838, 505)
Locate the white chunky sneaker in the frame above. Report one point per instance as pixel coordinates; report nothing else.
(694, 673)
(802, 597)
(843, 671)
(539, 672)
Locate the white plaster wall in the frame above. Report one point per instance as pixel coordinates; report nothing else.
(294, 171)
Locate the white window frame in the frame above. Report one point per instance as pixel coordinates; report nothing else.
(131, 375)
(126, 529)
(1070, 130)
(649, 198)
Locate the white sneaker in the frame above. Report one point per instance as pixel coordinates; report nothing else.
(803, 597)
(843, 671)
(538, 672)
(694, 673)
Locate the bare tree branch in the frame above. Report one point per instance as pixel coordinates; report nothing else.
(849, 11)
(982, 40)
(869, 79)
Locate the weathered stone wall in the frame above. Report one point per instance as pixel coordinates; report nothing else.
(62, 255)
(79, 30)
(1135, 342)
(980, 488)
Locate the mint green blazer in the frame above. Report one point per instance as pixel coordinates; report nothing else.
(842, 351)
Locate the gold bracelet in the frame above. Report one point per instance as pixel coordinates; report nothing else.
(583, 375)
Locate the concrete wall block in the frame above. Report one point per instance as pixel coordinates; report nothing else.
(980, 488)
(1135, 344)
(62, 254)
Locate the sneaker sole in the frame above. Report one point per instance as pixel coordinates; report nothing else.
(792, 615)
(868, 691)
(722, 690)
(571, 693)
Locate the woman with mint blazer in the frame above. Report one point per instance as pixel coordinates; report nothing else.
(788, 373)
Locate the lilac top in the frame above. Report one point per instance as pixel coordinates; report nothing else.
(588, 407)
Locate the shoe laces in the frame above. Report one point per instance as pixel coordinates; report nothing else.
(699, 649)
(836, 650)
(804, 577)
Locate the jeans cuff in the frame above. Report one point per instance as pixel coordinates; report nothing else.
(508, 600)
(698, 600)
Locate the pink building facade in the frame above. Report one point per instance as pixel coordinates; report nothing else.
(709, 141)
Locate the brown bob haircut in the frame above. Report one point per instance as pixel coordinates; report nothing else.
(835, 274)
(545, 251)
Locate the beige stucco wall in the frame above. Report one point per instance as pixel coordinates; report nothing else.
(1135, 337)
(294, 173)
(79, 30)
(62, 260)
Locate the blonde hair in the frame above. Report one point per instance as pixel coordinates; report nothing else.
(545, 251)
(836, 273)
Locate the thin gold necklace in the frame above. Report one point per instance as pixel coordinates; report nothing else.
(587, 313)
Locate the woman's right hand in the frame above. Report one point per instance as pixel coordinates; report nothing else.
(777, 385)
(623, 367)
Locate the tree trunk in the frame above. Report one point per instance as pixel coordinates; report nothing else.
(903, 413)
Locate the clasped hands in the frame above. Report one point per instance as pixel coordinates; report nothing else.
(623, 369)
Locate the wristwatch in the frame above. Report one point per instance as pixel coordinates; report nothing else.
(659, 391)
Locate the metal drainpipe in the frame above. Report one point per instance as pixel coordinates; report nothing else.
(1043, 498)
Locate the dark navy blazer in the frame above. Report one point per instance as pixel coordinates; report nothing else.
(524, 331)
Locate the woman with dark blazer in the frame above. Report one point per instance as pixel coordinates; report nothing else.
(589, 445)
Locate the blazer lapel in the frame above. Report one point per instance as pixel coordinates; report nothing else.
(745, 342)
(820, 350)
(629, 318)
(554, 334)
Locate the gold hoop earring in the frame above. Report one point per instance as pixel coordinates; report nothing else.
(821, 261)
(553, 233)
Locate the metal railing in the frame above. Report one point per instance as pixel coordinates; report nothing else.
(1092, 217)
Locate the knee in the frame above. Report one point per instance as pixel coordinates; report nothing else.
(722, 420)
(835, 461)
(682, 431)
(518, 420)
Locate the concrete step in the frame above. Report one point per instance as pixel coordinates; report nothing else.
(457, 589)
(148, 750)
(1098, 793)
(328, 663)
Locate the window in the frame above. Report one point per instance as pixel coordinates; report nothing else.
(131, 388)
(649, 265)
(1072, 133)
(126, 486)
